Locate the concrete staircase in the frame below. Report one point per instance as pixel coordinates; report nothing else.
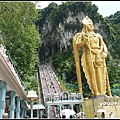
(49, 83)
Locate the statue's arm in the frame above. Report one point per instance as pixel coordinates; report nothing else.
(103, 48)
(78, 39)
(101, 44)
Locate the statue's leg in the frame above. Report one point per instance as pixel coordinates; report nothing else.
(89, 70)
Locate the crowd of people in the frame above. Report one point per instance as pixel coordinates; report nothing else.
(111, 116)
(80, 116)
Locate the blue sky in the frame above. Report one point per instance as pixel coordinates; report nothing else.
(106, 8)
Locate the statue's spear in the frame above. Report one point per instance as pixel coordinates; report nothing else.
(77, 62)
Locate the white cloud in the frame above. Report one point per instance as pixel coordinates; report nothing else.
(107, 8)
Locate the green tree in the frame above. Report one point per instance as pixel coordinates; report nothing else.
(20, 35)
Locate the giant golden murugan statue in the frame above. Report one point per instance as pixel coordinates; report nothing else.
(93, 59)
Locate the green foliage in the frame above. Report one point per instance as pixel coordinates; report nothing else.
(64, 64)
(57, 16)
(113, 71)
(115, 19)
(116, 89)
(114, 34)
(31, 83)
(71, 26)
(20, 35)
(42, 14)
(72, 87)
(112, 38)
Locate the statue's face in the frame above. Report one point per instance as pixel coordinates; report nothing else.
(90, 27)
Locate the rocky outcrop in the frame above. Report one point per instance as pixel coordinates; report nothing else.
(55, 38)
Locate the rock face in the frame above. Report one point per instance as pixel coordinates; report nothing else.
(58, 37)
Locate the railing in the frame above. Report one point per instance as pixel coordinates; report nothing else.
(9, 61)
(63, 96)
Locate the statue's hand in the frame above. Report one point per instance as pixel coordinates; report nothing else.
(103, 55)
(85, 37)
(98, 60)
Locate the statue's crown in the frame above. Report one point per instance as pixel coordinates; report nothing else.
(87, 21)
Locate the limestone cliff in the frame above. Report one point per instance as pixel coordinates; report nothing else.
(58, 24)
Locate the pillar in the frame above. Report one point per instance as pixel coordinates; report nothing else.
(38, 113)
(25, 111)
(72, 106)
(48, 111)
(41, 113)
(11, 104)
(17, 100)
(3, 86)
(83, 107)
(31, 109)
(60, 108)
(21, 108)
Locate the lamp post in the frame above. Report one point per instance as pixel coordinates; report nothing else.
(32, 96)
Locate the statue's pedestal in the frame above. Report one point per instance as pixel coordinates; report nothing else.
(109, 104)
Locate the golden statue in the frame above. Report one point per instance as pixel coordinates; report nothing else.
(93, 59)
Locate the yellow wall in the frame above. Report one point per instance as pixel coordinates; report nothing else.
(109, 104)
